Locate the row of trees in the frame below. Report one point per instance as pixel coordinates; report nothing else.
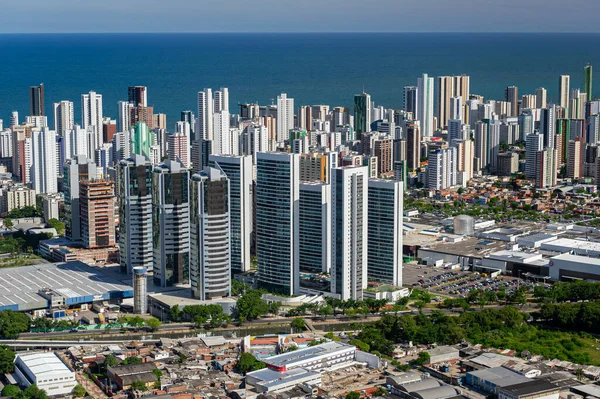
(33, 392)
(570, 291)
(12, 324)
(582, 316)
(200, 315)
(483, 298)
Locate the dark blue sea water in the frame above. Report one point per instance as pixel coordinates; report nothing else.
(312, 68)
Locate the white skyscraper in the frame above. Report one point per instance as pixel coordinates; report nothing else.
(6, 144)
(124, 121)
(277, 195)
(44, 176)
(563, 90)
(349, 198)
(210, 236)
(75, 143)
(222, 136)
(239, 171)
(14, 119)
(91, 116)
(257, 140)
(204, 120)
(64, 118)
(221, 102)
(385, 231)
(442, 169)
(184, 128)
(533, 144)
(457, 108)
(425, 107)
(285, 117)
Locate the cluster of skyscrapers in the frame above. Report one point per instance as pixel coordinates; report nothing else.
(311, 197)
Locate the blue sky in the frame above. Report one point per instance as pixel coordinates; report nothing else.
(29, 16)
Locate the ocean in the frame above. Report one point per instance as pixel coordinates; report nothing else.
(316, 68)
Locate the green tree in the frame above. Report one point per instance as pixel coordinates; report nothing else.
(111, 360)
(7, 358)
(381, 391)
(138, 385)
(353, 395)
(248, 362)
(57, 225)
(153, 323)
(298, 324)
(79, 391)
(363, 346)
(132, 360)
(250, 305)
(423, 358)
(175, 313)
(238, 287)
(13, 323)
(274, 308)
(33, 392)
(11, 390)
(332, 337)
(135, 321)
(8, 223)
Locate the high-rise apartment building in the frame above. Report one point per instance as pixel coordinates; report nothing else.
(385, 210)
(349, 198)
(137, 95)
(575, 159)
(36, 100)
(204, 119)
(91, 115)
(413, 145)
(124, 121)
(534, 143)
(210, 238)
(135, 213)
(587, 81)
(64, 118)
(285, 117)
(528, 101)
(221, 101)
(548, 125)
(546, 168)
(142, 138)
(508, 163)
(410, 99)
(362, 114)
(450, 87)
(239, 171)
(563, 90)
(314, 231)
(277, 194)
(442, 169)
(425, 106)
(222, 135)
(170, 224)
(511, 94)
(540, 97)
(179, 148)
(44, 173)
(74, 171)
(97, 211)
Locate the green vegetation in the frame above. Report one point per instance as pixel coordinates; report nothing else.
(200, 315)
(239, 287)
(298, 324)
(24, 212)
(248, 363)
(132, 360)
(363, 346)
(138, 385)
(18, 243)
(158, 374)
(79, 391)
(332, 337)
(7, 358)
(11, 390)
(12, 324)
(42, 324)
(353, 395)
(582, 316)
(153, 323)
(57, 225)
(571, 291)
(422, 359)
(31, 392)
(505, 328)
(250, 306)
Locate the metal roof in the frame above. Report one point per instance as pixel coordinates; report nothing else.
(44, 365)
(20, 285)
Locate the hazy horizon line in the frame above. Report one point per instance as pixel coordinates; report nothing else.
(298, 32)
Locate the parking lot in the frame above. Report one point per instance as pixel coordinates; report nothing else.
(458, 283)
